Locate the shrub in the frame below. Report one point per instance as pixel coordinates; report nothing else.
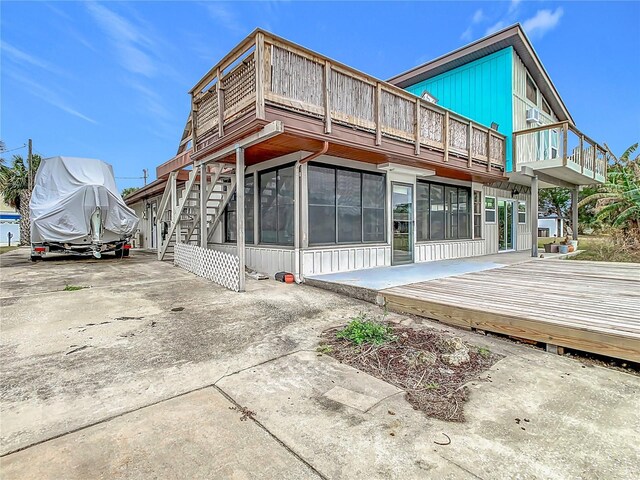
(360, 330)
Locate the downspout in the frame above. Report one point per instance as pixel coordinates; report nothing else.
(298, 210)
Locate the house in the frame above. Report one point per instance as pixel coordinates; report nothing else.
(550, 225)
(299, 163)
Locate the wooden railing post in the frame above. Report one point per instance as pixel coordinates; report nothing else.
(514, 153)
(378, 114)
(488, 150)
(418, 126)
(327, 96)
(258, 59)
(445, 136)
(582, 155)
(565, 139)
(194, 116)
(469, 144)
(220, 92)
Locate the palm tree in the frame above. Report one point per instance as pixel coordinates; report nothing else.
(617, 201)
(14, 187)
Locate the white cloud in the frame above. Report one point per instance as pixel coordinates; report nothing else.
(21, 57)
(467, 34)
(222, 14)
(131, 44)
(513, 6)
(495, 27)
(542, 22)
(49, 96)
(478, 16)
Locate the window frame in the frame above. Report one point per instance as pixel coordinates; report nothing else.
(477, 214)
(362, 241)
(235, 210)
(446, 188)
(535, 89)
(258, 218)
(545, 107)
(522, 202)
(494, 209)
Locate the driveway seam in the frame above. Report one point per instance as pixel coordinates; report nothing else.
(272, 435)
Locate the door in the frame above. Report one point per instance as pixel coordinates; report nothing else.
(402, 220)
(506, 225)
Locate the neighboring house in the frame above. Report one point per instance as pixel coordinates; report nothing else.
(9, 223)
(342, 171)
(550, 226)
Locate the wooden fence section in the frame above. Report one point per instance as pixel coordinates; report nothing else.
(267, 70)
(593, 308)
(560, 141)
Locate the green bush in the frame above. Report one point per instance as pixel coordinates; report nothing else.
(360, 330)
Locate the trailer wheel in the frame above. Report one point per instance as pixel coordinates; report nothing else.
(35, 258)
(125, 252)
(119, 253)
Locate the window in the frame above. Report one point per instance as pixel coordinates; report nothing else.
(532, 91)
(345, 206)
(477, 214)
(545, 107)
(276, 206)
(490, 209)
(442, 212)
(522, 211)
(230, 213)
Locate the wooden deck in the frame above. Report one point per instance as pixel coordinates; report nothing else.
(588, 306)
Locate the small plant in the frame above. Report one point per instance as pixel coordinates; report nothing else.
(326, 349)
(484, 352)
(361, 330)
(72, 288)
(432, 386)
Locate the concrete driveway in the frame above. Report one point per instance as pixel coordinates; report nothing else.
(146, 373)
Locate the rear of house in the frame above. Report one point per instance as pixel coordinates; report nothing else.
(291, 161)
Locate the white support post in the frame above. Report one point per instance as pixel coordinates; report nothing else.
(240, 216)
(574, 211)
(534, 216)
(203, 206)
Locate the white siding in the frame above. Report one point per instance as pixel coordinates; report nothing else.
(344, 259)
(263, 259)
(430, 251)
(490, 230)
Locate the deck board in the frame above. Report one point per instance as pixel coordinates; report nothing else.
(588, 306)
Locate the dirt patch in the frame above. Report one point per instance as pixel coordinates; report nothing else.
(431, 367)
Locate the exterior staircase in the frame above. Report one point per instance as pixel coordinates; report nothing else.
(179, 215)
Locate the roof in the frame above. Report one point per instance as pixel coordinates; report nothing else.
(154, 188)
(512, 36)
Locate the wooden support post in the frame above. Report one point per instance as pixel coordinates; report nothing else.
(259, 55)
(203, 206)
(194, 115)
(514, 153)
(240, 244)
(418, 127)
(220, 92)
(595, 159)
(378, 114)
(327, 96)
(445, 136)
(534, 216)
(574, 211)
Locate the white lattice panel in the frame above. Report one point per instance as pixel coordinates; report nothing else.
(219, 267)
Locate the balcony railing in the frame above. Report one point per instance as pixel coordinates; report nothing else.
(268, 71)
(562, 144)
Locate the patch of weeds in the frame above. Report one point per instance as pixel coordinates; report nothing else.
(484, 352)
(326, 349)
(361, 330)
(72, 288)
(432, 386)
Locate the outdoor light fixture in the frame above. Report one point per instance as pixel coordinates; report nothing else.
(494, 126)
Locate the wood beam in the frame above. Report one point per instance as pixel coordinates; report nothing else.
(574, 211)
(417, 126)
(240, 216)
(220, 93)
(378, 114)
(258, 60)
(445, 137)
(534, 216)
(327, 96)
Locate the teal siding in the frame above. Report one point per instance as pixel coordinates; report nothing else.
(480, 90)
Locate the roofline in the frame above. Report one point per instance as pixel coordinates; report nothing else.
(513, 30)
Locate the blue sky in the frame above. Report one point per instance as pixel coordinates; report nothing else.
(110, 80)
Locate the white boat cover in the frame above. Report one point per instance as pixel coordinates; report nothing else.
(67, 191)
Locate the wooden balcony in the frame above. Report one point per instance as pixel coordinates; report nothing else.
(561, 151)
(267, 78)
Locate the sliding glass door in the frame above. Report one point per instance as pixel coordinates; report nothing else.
(506, 225)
